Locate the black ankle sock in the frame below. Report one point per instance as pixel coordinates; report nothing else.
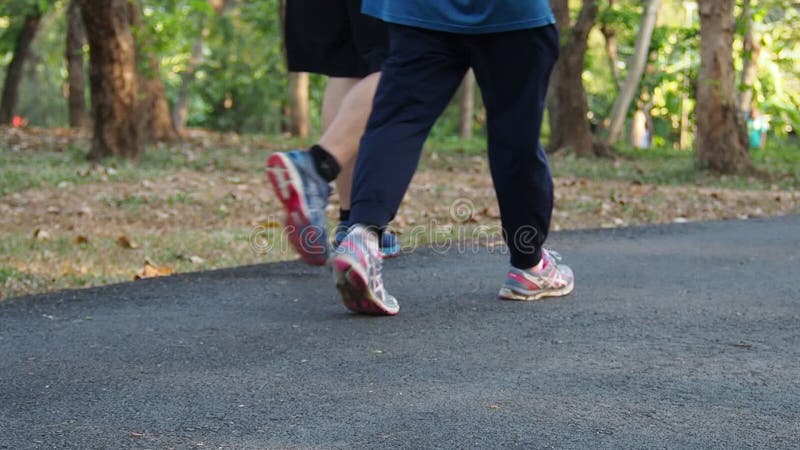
(326, 164)
(344, 215)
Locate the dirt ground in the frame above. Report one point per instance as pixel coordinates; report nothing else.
(123, 223)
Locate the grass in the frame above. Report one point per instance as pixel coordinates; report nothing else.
(778, 164)
(29, 265)
(210, 232)
(33, 169)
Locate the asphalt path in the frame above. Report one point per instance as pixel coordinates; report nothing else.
(679, 336)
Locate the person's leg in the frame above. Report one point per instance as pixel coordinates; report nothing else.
(336, 90)
(422, 72)
(347, 122)
(419, 78)
(513, 70)
(369, 37)
(330, 37)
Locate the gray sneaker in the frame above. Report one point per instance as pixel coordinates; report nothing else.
(304, 194)
(357, 263)
(553, 280)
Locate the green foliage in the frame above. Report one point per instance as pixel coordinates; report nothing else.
(240, 84)
(777, 90)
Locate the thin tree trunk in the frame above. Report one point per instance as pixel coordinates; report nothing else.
(298, 104)
(721, 134)
(112, 62)
(180, 112)
(685, 137)
(467, 105)
(613, 55)
(752, 50)
(610, 37)
(8, 103)
(639, 130)
(566, 99)
(76, 38)
(635, 71)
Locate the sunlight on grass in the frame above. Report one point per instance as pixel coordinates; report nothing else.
(206, 195)
(28, 265)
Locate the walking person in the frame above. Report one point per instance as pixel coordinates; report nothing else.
(333, 38)
(512, 46)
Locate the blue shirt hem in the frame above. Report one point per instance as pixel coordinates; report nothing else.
(466, 29)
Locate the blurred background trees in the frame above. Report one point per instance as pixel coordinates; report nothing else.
(631, 73)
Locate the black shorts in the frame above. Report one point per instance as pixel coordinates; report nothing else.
(332, 37)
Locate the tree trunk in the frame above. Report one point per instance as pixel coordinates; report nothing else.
(298, 104)
(76, 38)
(635, 70)
(752, 50)
(639, 138)
(154, 117)
(467, 105)
(112, 74)
(685, 137)
(610, 37)
(8, 103)
(721, 134)
(180, 112)
(566, 99)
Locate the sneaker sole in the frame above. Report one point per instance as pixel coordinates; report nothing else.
(354, 289)
(285, 181)
(510, 294)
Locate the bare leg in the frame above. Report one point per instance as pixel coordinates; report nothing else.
(335, 91)
(342, 134)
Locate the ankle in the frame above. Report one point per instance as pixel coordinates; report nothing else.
(327, 166)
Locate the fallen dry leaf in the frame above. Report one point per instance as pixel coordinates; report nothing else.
(124, 242)
(270, 224)
(492, 212)
(152, 271)
(83, 210)
(41, 235)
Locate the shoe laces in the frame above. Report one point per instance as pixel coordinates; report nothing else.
(554, 255)
(375, 268)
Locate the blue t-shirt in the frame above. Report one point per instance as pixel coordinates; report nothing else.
(463, 16)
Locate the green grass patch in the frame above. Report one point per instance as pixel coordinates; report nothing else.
(778, 164)
(40, 169)
(30, 266)
(454, 145)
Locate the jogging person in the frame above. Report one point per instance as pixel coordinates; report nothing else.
(512, 46)
(333, 38)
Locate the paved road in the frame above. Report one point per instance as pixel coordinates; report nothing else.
(679, 336)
